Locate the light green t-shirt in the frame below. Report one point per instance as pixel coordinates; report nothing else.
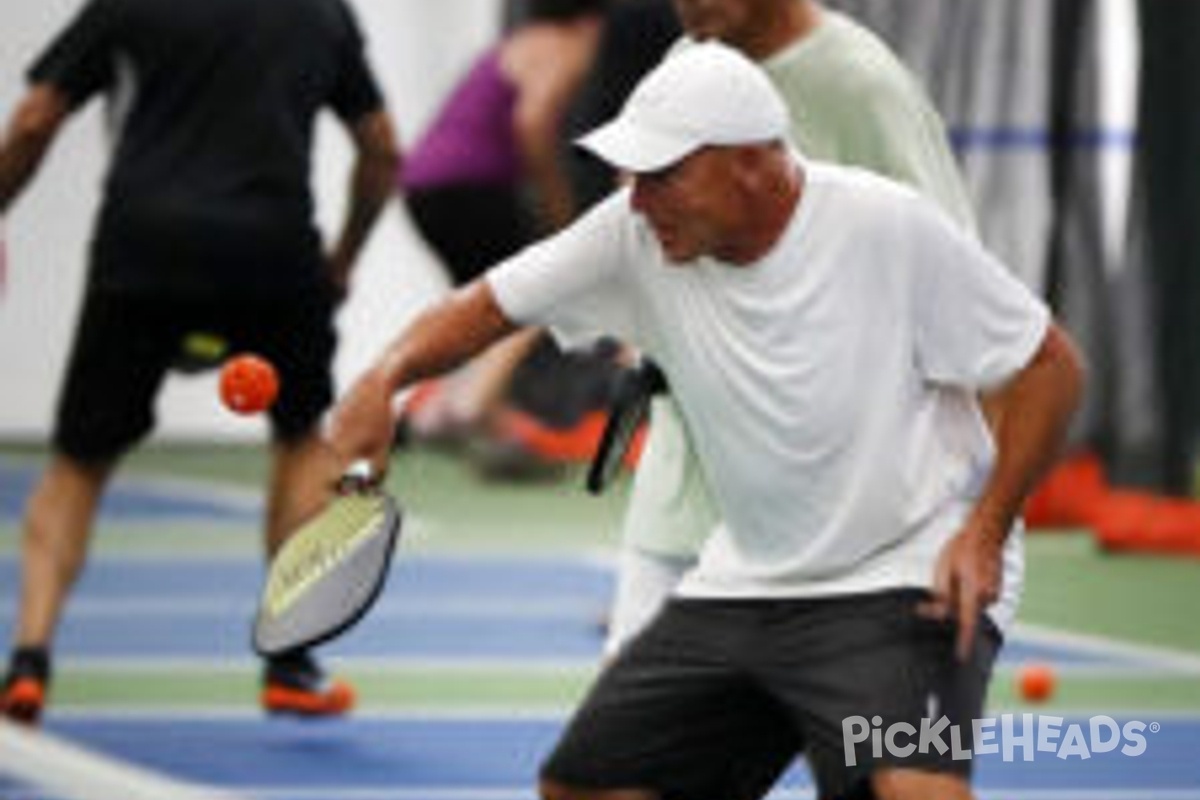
(852, 102)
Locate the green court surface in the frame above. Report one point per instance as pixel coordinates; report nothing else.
(1121, 605)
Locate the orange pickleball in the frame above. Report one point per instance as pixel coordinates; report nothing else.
(1036, 682)
(249, 384)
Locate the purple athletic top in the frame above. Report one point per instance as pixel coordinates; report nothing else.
(471, 139)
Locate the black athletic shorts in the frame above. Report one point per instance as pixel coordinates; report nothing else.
(717, 697)
(125, 343)
(471, 227)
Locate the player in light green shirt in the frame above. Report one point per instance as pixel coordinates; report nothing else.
(851, 102)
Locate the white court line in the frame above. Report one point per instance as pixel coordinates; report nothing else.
(47, 762)
(198, 490)
(1107, 670)
(1177, 660)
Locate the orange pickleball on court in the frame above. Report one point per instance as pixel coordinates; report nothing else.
(1036, 682)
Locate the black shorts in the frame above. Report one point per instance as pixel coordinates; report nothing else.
(471, 227)
(717, 697)
(125, 343)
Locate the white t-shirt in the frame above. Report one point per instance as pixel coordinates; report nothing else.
(829, 387)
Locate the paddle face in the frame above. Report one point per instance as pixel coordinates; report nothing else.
(329, 573)
(630, 406)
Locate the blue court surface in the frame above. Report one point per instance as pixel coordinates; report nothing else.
(459, 609)
(446, 607)
(455, 610)
(129, 499)
(497, 758)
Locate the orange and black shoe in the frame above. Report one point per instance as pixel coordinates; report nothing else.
(294, 684)
(26, 686)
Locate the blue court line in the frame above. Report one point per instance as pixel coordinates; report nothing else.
(127, 499)
(443, 627)
(433, 608)
(406, 756)
(964, 138)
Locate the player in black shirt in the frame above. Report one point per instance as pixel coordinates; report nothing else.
(205, 235)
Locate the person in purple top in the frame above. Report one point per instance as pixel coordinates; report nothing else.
(470, 149)
(487, 177)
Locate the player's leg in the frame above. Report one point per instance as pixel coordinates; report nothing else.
(297, 485)
(298, 337)
(116, 367)
(58, 525)
(670, 514)
(471, 226)
(645, 581)
(481, 389)
(57, 528)
(913, 784)
(963, 690)
(888, 671)
(675, 715)
(960, 691)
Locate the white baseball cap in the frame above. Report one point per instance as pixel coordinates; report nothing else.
(705, 94)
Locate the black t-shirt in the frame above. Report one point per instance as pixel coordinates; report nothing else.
(212, 105)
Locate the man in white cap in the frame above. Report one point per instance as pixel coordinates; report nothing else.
(851, 101)
(825, 333)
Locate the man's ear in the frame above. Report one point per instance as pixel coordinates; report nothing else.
(751, 169)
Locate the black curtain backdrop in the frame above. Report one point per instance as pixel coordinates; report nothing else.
(1018, 72)
(1169, 171)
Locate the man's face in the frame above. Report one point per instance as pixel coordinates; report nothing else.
(692, 206)
(730, 21)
